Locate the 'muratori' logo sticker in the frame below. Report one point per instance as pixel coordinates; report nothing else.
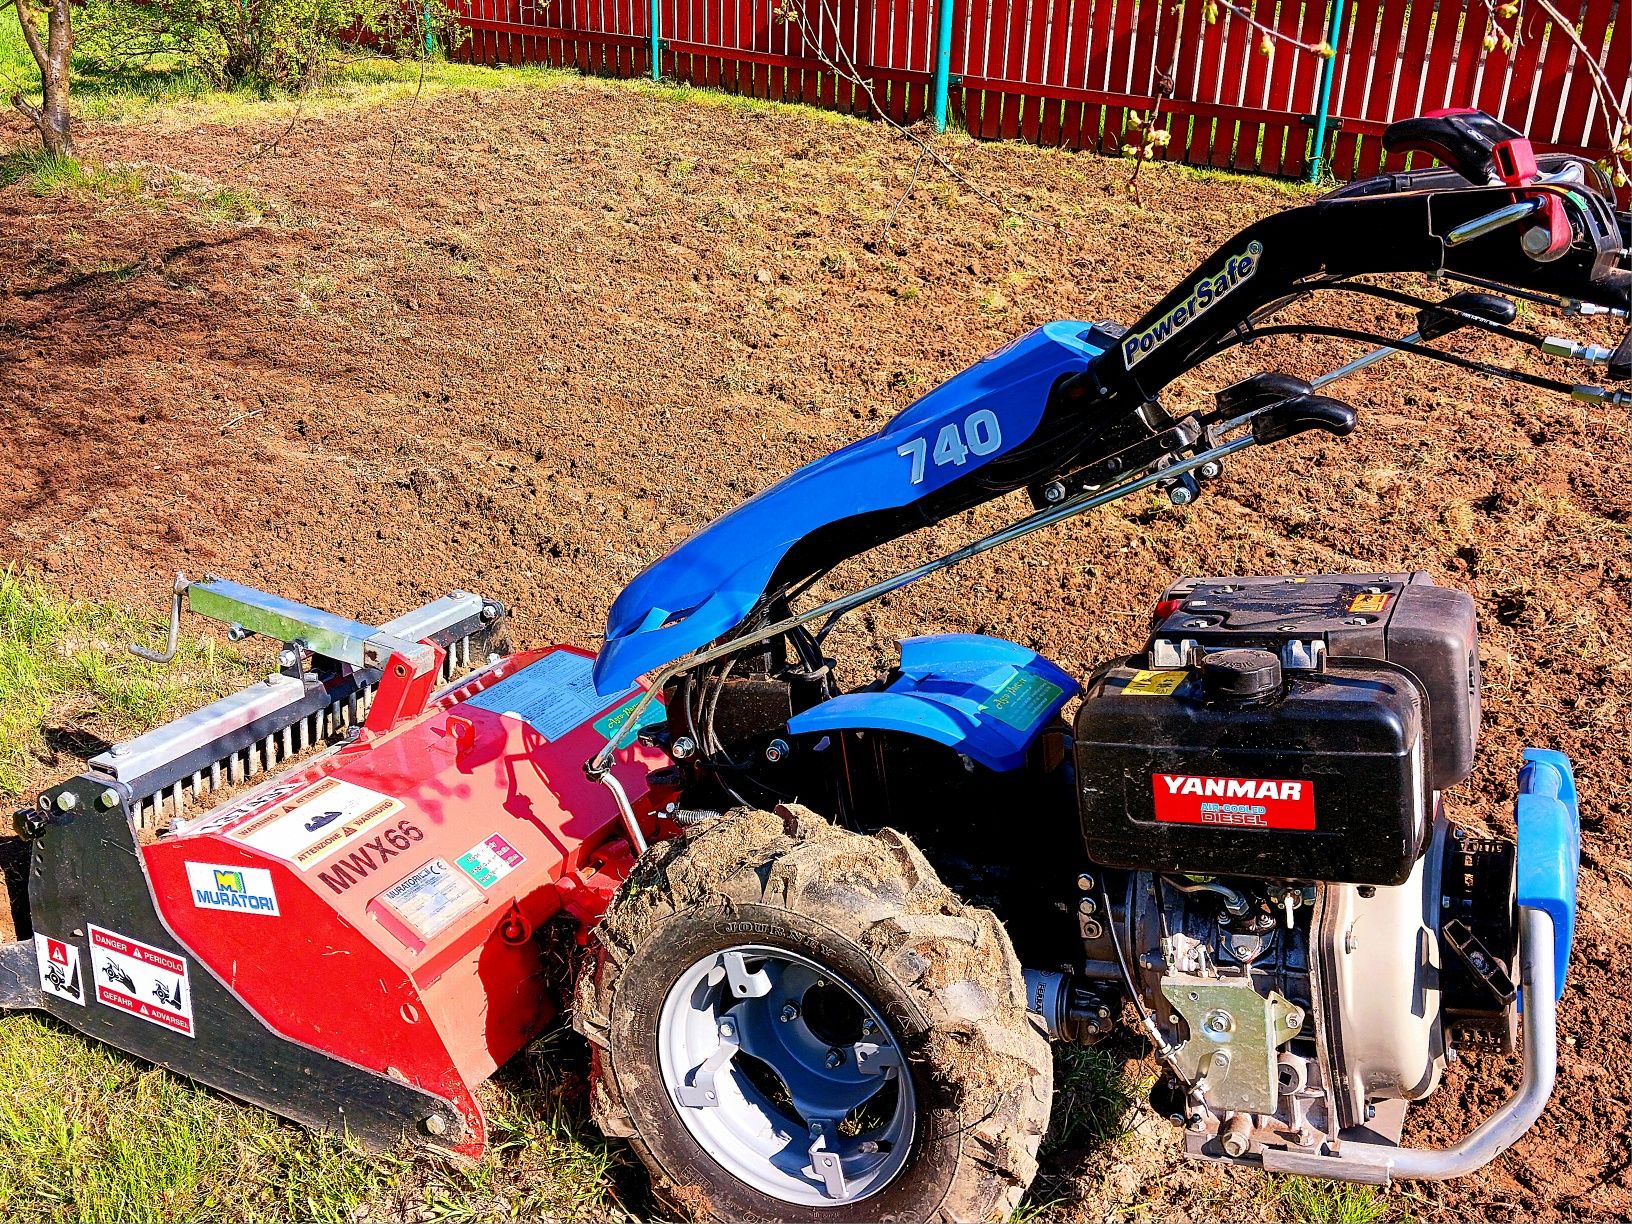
(1205, 294)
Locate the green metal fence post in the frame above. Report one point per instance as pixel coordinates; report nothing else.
(657, 38)
(1317, 161)
(943, 60)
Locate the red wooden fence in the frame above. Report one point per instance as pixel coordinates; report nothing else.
(1067, 72)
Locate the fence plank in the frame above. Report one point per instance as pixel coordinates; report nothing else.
(1066, 72)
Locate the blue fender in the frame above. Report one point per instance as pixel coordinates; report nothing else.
(986, 697)
(707, 584)
(1548, 816)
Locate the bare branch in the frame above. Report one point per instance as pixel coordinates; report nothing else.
(25, 18)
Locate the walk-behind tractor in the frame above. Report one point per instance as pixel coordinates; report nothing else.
(820, 936)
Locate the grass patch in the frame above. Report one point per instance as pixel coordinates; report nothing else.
(45, 174)
(1094, 1089)
(64, 665)
(1314, 1201)
(88, 1135)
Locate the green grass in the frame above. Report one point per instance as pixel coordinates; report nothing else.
(1313, 1201)
(166, 88)
(64, 671)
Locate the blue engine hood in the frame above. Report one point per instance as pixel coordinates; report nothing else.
(706, 586)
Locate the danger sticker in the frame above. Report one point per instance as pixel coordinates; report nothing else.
(329, 816)
(145, 981)
(1240, 803)
(489, 861)
(431, 898)
(1370, 601)
(248, 890)
(59, 968)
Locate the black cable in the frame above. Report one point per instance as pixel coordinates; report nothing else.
(1421, 350)
(1405, 299)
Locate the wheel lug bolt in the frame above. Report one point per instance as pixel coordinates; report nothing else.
(835, 1059)
(789, 1012)
(867, 1026)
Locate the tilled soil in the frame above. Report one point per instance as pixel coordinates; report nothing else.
(523, 341)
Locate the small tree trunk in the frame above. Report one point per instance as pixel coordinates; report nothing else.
(50, 118)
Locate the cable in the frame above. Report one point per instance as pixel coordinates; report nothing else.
(1405, 299)
(1404, 346)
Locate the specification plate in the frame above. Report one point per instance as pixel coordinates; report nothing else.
(431, 898)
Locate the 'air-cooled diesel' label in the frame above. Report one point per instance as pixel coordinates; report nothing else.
(1237, 803)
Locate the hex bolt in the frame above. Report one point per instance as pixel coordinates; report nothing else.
(288, 657)
(867, 1026)
(1085, 882)
(67, 801)
(1210, 470)
(108, 798)
(682, 746)
(835, 1059)
(236, 632)
(490, 611)
(776, 750)
(435, 1124)
(790, 1013)
(1086, 906)
(727, 1029)
(1294, 1020)
(1180, 495)
(1053, 492)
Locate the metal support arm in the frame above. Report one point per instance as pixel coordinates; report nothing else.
(1378, 1164)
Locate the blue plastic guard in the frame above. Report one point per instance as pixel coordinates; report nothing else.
(1549, 824)
(983, 696)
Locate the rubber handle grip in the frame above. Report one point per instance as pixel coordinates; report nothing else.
(1302, 413)
(1436, 320)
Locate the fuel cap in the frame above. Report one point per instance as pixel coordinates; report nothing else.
(1241, 675)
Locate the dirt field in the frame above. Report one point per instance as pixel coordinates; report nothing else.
(523, 341)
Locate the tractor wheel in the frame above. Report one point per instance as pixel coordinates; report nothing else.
(794, 1022)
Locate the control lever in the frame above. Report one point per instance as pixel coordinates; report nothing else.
(1435, 321)
(1300, 414)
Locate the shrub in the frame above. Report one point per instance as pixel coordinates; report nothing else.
(266, 43)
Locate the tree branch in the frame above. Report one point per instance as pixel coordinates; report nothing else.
(29, 110)
(25, 18)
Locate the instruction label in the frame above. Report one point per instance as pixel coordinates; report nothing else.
(1370, 601)
(431, 898)
(329, 816)
(145, 981)
(1022, 700)
(553, 696)
(488, 862)
(59, 968)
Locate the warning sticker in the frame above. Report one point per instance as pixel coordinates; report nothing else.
(1237, 803)
(553, 696)
(330, 815)
(490, 861)
(147, 982)
(431, 898)
(1154, 683)
(1021, 700)
(245, 889)
(1370, 601)
(59, 968)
